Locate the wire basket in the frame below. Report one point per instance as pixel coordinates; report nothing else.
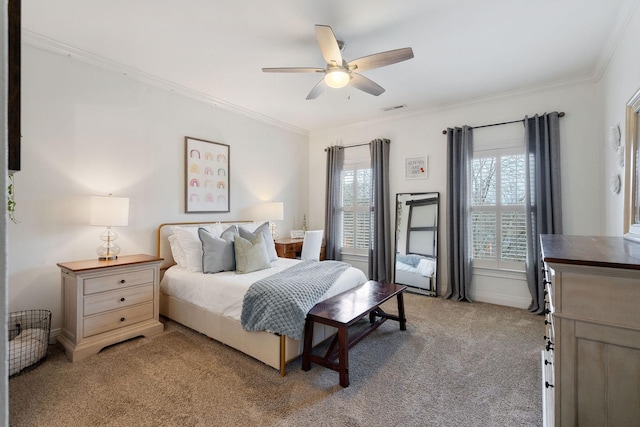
(28, 332)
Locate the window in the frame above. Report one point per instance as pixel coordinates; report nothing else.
(356, 207)
(498, 219)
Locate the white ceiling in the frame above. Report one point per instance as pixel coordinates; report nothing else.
(463, 49)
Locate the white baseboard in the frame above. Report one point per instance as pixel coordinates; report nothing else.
(498, 299)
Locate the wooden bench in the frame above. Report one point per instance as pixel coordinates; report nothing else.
(342, 311)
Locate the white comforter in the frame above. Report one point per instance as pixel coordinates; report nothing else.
(223, 292)
(426, 267)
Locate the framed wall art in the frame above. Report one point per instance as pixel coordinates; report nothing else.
(207, 176)
(415, 167)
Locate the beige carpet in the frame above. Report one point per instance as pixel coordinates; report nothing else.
(458, 364)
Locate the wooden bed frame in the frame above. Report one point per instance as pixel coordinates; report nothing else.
(272, 349)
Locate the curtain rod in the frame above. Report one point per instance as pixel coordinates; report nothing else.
(355, 145)
(444, 132)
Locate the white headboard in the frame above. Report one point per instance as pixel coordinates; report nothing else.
(167, 229)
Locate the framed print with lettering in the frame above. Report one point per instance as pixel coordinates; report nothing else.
(415, 167)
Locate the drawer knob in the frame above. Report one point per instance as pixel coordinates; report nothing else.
(122, 299)
(122, 281)
(546, 362)
(122, 319)
(547, 385)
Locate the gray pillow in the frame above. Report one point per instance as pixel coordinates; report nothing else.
(251, 255)
(217, 252)
(268, 240)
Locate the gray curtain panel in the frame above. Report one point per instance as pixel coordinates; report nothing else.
(544, 196)
(380, 249)
(459, 157)
(332, 213)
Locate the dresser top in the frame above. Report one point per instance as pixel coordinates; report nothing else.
(91, 264)
(596, 251)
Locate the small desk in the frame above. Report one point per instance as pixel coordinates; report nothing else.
(342, 311)
(292, 248)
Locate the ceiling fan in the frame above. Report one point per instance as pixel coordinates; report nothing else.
(340, 73)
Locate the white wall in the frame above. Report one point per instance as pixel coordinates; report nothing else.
(89, 131)
(620, 81)
(422, 134)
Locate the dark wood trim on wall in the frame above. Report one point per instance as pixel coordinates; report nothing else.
(13, 110)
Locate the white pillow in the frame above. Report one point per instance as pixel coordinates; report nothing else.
(191, 246)
(177, 252)
(216, 230)
(249, 226)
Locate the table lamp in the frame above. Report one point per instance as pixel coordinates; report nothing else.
(272, 211)
(109, 211)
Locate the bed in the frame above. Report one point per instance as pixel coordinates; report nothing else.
(189, 298)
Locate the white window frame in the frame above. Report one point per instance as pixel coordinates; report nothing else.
(354, 165)
(498, 209)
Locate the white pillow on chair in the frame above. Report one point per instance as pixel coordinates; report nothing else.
(311, 245)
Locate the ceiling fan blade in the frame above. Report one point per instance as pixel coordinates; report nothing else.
(328, 45)
(365, 85)
(293, 70)
(317, 89)
(381, 59)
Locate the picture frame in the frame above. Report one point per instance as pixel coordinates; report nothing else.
(415, 167)
(297, 234)
(207, 176)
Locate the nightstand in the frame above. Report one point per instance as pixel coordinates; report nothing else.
(291, 248)
(107, 302)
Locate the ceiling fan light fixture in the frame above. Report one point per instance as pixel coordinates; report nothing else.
(337, 78)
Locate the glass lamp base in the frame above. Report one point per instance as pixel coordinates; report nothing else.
(108, 250)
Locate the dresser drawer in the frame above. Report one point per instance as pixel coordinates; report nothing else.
(120, 298)
(292, 247)
(116, 319)
(117, 281)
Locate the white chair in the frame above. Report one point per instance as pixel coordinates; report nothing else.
(311, 245)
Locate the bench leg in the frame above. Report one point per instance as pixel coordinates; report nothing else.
(403, 320)
(308, 341)
(343, 355)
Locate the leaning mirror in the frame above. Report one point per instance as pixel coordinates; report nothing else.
(416, 256)
(632, 198)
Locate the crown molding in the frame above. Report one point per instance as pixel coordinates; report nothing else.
(574, 81)
(625, 16)
(50, 45)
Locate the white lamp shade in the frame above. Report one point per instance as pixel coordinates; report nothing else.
(272, 211)
(109, 211)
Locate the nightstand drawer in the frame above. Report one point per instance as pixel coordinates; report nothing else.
(117, 281)
(116, 319)
(120, 298)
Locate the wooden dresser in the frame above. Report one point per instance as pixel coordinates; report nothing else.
(291, 248)
(106, 302)
(591, 360)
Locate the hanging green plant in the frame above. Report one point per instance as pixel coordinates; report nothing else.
(11, 202)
